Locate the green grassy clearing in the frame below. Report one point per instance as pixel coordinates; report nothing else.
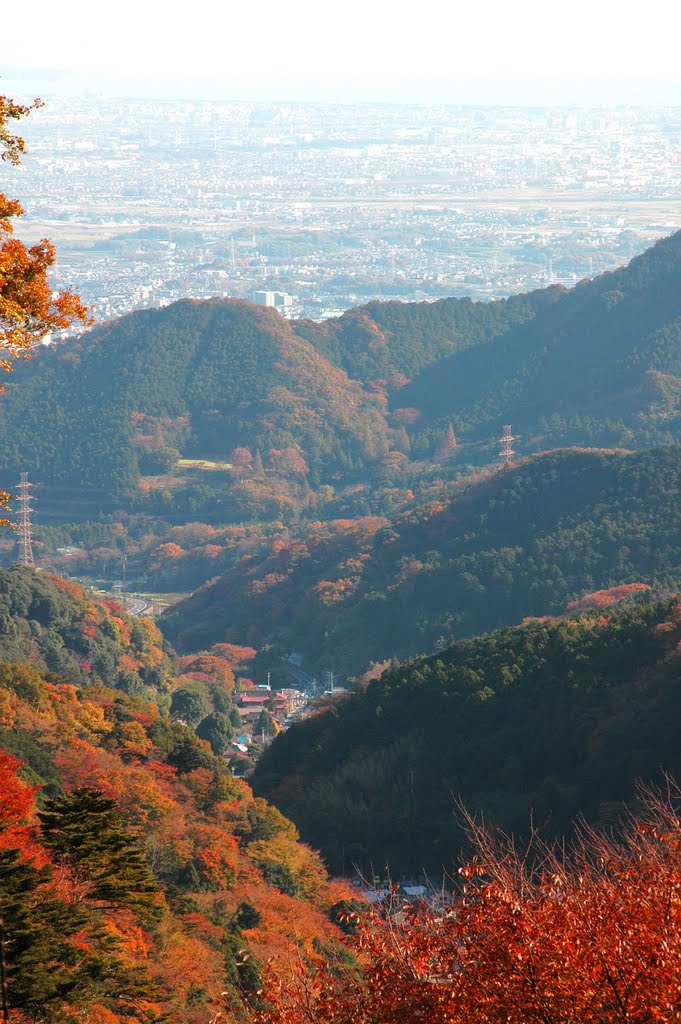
(203, 464)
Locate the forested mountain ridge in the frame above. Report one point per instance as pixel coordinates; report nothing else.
(543, 723)
(139, 881)
(221, 410)
(57, 627)
(601, 365)
(518, 543)
(391, 341)
(196, 378)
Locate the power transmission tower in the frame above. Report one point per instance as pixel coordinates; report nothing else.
(506, 442)
(25, 534)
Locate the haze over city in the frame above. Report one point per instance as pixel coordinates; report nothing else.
(478, 53)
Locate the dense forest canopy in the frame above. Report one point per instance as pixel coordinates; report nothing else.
(601, 365)
(556, 719)
(518, 543)
(223, 410)
(394, 341)
(197, 379)
(140, 881)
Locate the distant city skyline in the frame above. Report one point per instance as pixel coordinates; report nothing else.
(152, 201)
(491, 53)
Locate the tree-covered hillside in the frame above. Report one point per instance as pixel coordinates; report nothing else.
(518, 543)
(139, 881)
(198, 379)
(386, 342)
(221, 410)
(545, 722)
(601, 365)
(57, 627)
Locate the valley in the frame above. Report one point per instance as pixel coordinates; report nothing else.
(339, 485)
(340, 655)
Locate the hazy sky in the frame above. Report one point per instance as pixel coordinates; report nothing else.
(354, 49)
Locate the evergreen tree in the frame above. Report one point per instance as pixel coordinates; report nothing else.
(242, 969)
(266, 724)
(246, 916)
(84, 830)
(258, 468)
(446, 446)
(402, 442)
(217, 729)
(234, 716)
(190, 706)
(39, 964)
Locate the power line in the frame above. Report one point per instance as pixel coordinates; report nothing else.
(25, 532)
(506, 441)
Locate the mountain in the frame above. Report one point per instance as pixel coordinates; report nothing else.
(537, 724)
(196, 379)
(138, 879)
(601, 365)
(222, 410)
(386, 342)
(55, 626)
(516, 543)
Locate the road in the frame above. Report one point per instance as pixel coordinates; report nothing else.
(136, 605)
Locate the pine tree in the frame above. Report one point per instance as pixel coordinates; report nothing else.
(39, 964)
(84, 830)
(217, 730)
(266, 724)
(446, 446)
(402, 442)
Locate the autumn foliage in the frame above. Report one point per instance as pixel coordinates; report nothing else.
(139, 881)
(149, 850)
(16, 801)
(605, 598)
(592, 936)
(27, 309)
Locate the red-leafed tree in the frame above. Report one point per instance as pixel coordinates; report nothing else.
(28, 309)
(605, 598)
(16, 801)
(234, 653)
(531, 937)
(166, 552)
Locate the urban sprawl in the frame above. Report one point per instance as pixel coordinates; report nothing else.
(315, 208)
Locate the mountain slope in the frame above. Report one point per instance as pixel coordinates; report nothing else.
(600, 365)
(390, 340)
(161, 883)
(196, 378)
(555, 719)
(519, 543)
(57, 627)
(109, 416)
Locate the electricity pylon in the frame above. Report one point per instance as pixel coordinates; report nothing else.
(23, 497)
